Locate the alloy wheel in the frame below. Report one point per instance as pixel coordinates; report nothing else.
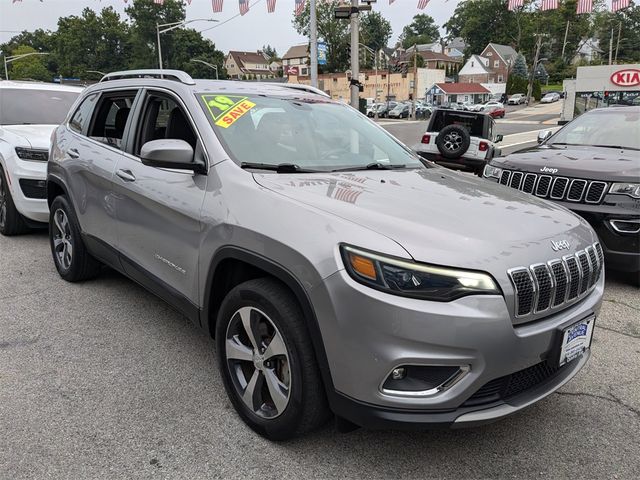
(258, 361)
(62, 241)
(452, 141)
(3, 202)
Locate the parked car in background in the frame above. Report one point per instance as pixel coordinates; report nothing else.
(590, 166)
(461, 140)
(545, 92)
(487, 105)
(550, 98)
(467, 105)
(517, 99)
(495, 111)
(402, 110)
(340, 273)
(29, 112)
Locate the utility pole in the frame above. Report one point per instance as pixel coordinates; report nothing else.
(415, 80)
(611, 48)
(355, 58)
(533, 68)
(618, 43)
(564, 44)
(313, 39)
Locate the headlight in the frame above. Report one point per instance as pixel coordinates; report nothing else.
(410, 279)
(631, 189)
(33, 154)
(492, 172)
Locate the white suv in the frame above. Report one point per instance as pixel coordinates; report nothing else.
(29, 112)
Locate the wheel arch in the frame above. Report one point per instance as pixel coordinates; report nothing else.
(55, 187)
(246, 265)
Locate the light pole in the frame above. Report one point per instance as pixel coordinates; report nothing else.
(210, 65)
(375, 66)
(13, 58)
(313, 40)
(167, 27)
(96, 71)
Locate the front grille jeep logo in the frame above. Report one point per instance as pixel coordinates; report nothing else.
(560, 245)
(549, 170)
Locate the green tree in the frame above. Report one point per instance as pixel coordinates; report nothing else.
(519, 67)
(41, 41)
(28, 68)
(421, 30)
(334, 32)
(270, 53)
(188, 45)
(144, 15)
(626, 23)
(375, 31)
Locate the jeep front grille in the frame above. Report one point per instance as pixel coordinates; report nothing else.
(557, 283)
(556, 188)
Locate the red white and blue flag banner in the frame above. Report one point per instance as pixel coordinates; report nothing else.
(300, 6)
(422, 4)
(158, 2)
(549, 5)
(244, 6)
(584, 6)
(619, 5)
(513, 4)
(271, 6)
(217, 5)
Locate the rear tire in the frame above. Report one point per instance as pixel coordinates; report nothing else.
(11, 221)
(279, 395)
(70, 256)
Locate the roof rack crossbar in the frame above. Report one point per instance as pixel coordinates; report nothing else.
(175, 75)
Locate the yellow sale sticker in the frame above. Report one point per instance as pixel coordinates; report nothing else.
(226, 109)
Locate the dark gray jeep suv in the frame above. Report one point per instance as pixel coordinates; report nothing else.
(590, 166)
(337, 270)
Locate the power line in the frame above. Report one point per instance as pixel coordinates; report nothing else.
(229, 19)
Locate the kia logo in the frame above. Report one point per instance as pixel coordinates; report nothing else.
(629, 77)
(549, 170)
(560, 245)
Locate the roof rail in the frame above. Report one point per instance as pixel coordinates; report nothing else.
(175, 75)
(305, 88)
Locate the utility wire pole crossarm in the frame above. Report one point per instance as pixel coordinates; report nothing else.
(13, 58)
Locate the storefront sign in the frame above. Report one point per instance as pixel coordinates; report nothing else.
(629, 77)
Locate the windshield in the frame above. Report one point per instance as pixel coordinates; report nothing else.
(20, 106)
(310, 134)
(614, 127)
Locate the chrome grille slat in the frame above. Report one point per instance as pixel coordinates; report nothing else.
(577, 190)
(558, 283)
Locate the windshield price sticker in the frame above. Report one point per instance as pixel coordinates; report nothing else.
(226, 110)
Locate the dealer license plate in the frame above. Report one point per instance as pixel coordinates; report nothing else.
(576, 339)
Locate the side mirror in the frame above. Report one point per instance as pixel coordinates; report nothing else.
(544, 135)
(499, 138)
(170, 153)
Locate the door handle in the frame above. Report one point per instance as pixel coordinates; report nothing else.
(126, 175)
(73, 153)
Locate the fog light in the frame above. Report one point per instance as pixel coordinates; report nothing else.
(398, 373)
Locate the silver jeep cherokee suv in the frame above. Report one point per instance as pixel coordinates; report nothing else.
(337, 270)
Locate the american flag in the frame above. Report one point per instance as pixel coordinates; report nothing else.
(216, 5)
(158, 2)
(300, 6)
(244, 6)
(619, 5)
(549, 5)
(422, 4)
(271, 6)
(513, 4)
(584, 6)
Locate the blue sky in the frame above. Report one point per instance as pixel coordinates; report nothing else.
(242, 33)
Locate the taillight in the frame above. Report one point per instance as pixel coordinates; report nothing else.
(426, 138)
(483, 147)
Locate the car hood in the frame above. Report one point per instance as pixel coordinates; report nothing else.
(35, 136)
(594, 163)
(440, 216)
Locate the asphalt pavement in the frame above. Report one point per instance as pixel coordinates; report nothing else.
(103, 380)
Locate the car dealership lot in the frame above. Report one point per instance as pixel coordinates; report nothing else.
(103, 380)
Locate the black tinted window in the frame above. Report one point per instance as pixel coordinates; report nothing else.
(81, 117)
(473, 123)
(110, 118)
(164, 119)
(20, 106)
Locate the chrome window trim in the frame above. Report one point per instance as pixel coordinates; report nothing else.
(584, 188)
(555, 180)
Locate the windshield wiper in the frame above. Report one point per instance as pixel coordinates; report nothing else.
(370, 166)
(279, 168)
(619, 147)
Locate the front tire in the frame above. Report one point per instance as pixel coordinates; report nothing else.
(70, 256)
(267, 361)
(11, 221)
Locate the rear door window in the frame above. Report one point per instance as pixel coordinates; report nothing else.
(111, 118)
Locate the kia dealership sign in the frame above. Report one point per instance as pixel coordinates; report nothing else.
(629, 77)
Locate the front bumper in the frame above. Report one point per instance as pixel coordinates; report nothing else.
(367, 334)
(28, 188)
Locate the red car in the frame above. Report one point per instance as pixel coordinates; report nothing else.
(495, 112)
